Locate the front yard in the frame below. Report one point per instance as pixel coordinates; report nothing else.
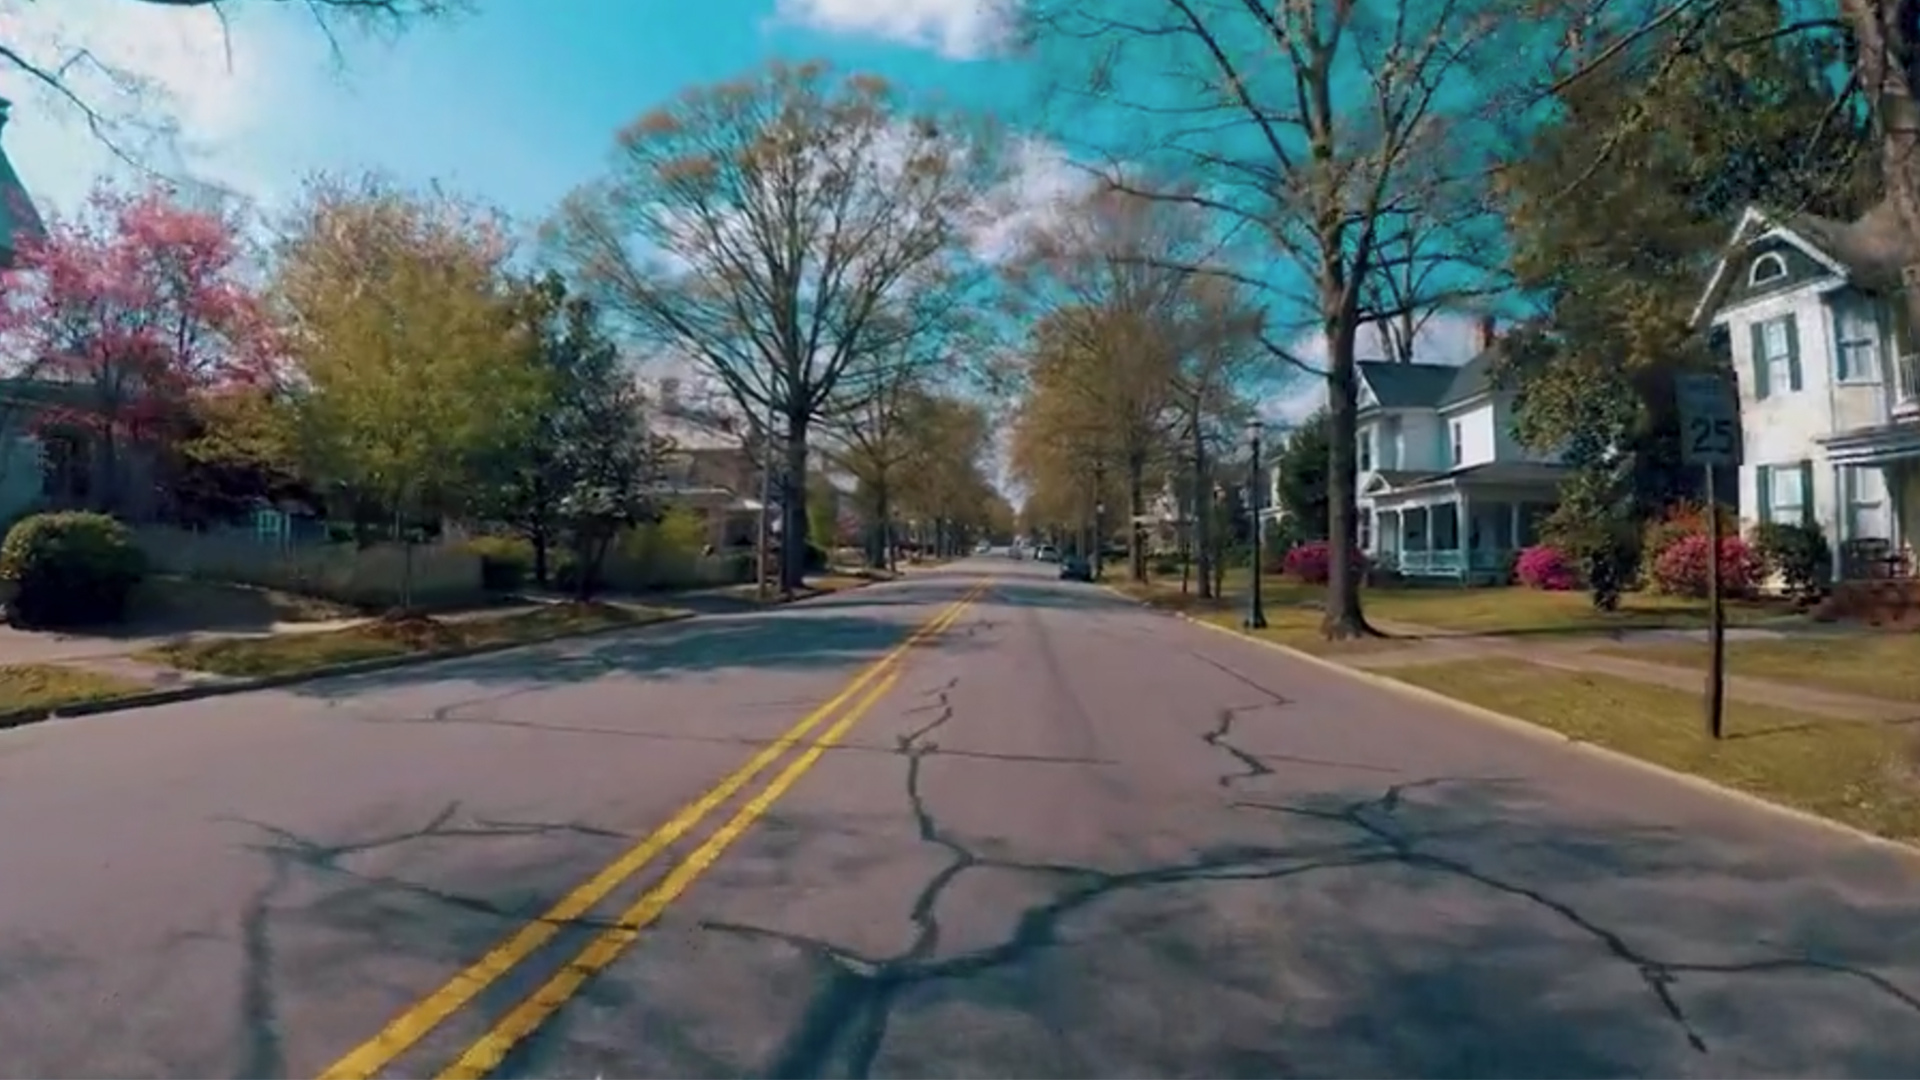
(1863, 773)
(1511, 611)
(295, 653)
(1868, 663)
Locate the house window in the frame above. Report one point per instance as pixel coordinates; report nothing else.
(1366, 450)
(1459, 436)
(1767, 269)
(1785, 495)
(1776, 357)
(1392, 451)
(1857, 352)
(1866, 494)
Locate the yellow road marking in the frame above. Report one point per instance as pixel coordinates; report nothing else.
(487, 1052)
(419, 1020)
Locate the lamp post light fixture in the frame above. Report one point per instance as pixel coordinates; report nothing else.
(1256, 611)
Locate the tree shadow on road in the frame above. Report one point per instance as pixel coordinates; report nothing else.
(819, 639)
(1449, 926)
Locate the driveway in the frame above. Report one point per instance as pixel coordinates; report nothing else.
(1074, 838)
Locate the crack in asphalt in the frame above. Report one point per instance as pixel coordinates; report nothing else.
(1659, 975)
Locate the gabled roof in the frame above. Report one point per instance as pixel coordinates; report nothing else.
(18, 218)
(1867, 251)
(1428, 386)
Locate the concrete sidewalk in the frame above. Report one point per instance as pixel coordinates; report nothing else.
(1438, 645)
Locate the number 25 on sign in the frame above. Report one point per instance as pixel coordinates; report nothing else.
(1709, 420)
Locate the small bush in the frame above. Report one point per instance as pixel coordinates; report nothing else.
(1312, 562)
(1681, 570)
(1678, 521)
(506, 562)
(1798, 553)
(70, 569)
(1546, 567)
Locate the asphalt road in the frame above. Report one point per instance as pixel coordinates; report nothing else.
(1074, 838)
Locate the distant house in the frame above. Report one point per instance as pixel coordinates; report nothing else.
(1828, 377)
(1446, 490)
(712, 467)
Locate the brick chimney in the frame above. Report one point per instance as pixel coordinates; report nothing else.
(1486, 333)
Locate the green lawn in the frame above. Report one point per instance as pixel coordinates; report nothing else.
(1511, 610)
(1862, 773)
(45, 686)
(1884, 665)
(286, 654)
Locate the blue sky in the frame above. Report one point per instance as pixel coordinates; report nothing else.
(515, 103)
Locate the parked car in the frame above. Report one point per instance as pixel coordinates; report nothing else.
(1076, 568)
(1046, 553)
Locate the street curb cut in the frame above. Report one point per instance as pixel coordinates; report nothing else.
(196, 691)
(1527, 729)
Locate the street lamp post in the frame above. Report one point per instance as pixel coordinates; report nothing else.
(1256, 611)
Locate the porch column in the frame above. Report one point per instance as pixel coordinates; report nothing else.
(1463, 534)
(1513, 525)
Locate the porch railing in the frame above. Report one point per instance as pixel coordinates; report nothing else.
(1448, 562)
(1906, 383)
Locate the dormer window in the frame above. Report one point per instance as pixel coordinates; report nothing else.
(1767, 269)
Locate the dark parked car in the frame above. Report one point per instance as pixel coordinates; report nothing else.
(1075, 568)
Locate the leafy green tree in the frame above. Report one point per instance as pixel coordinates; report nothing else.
(1300, 469)
(1618, 253)
(409, 366)
(605, 463)
(526, 479)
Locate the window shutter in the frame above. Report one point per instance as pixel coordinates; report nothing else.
(1760, 381)
(1793, 353)
(1763, 495)
(1806, 494)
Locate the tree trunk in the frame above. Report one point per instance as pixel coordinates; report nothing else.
(793, 509)
(1136, 506)
(879, 549)
(538, 537)
(1202, 512)
(1343, 616)
(1889, 70)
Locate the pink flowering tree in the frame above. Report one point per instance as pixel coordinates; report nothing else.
(133, 308)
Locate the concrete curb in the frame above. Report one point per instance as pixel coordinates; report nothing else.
(1529, 730)
(224, 687)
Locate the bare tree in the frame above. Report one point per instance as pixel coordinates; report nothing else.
(787, 231)
(1311, 128)
(1220, 351)
(1111, 268)
(55, 67)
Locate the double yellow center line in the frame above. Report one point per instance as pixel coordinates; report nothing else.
(487, 1052)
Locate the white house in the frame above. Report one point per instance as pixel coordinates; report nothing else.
(1446, 488)
(1829, 383)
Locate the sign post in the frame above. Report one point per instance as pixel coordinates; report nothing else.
(1710, 438)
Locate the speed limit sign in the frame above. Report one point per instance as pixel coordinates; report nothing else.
(1709, 420)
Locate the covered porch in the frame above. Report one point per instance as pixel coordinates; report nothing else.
(1874, 573)
(1466, 526)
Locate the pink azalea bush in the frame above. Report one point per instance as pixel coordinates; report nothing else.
(1546, 567)
(1681, 569)
(1312, 562)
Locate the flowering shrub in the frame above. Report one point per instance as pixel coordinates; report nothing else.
(1312, 562)
(1682, 519)
(1681, 569)
(1546, 567)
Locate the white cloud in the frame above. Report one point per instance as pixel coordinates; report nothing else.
(179, 90)
(1044, 182)
(1446, 338)
(958, 29)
